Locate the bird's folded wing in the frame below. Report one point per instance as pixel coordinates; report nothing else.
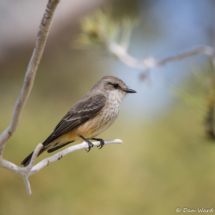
(83, 110)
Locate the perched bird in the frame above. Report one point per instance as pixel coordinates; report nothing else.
(89, 117)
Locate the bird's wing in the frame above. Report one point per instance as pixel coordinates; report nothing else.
(82, 111)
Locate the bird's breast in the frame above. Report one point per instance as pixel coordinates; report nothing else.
(101, 121)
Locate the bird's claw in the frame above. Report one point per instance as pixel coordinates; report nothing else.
(102, 142)
(90, 145)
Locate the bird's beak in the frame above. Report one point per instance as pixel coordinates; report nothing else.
(128, 90)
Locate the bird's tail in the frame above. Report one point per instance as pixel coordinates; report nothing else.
(27, 160)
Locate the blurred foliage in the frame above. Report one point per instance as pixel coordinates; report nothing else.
(100, 28)
(201, 92)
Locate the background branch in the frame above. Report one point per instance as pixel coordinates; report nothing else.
(151, 62)
(99, 29)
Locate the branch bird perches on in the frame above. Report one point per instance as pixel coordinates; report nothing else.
(31, 169)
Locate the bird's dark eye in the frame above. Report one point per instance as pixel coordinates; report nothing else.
(116, 86)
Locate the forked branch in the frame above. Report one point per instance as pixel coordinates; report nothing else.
(25, 172)
(26, 89)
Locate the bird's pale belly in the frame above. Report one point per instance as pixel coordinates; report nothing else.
(98, 123)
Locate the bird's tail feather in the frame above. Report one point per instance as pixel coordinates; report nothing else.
(27, 160)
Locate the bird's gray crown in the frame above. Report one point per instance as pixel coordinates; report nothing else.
(109, 82)
(113, 84)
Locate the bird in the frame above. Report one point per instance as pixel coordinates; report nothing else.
(90, 116)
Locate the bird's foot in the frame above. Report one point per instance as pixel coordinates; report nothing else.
(90, 144)
(102, 142)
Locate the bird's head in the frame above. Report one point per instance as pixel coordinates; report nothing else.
(114, 86)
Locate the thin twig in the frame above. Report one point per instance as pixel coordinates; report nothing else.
(30, 73)
(33, 159)
(25, 92)
(27, 185)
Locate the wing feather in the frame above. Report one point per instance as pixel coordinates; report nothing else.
(83, 110)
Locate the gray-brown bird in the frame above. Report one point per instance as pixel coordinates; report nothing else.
(89, 117)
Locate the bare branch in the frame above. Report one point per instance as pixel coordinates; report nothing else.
(30, 73)
(151, 62)
(24, 94)
(27, 184)
(25, 172)
(33, 159)
(68, 150)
